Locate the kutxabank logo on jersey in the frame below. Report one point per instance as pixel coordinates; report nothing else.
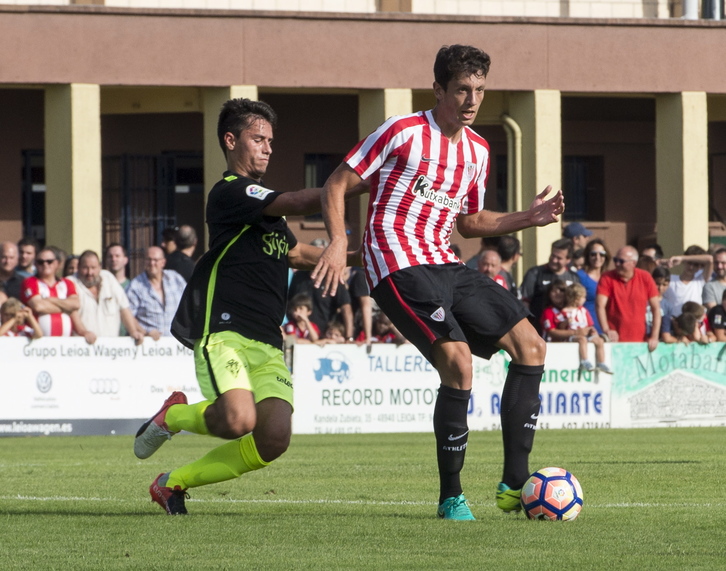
(422, 189)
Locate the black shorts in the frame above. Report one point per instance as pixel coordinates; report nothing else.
(431, 302)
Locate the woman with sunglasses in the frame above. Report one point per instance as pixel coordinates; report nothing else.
(597, 260)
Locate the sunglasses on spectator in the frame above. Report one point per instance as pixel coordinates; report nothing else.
(596, 253)
(620, 260)
(41, 262)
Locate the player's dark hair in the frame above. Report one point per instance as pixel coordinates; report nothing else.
(452, 61)
(238, 114)
(508, 247)
(563, 244)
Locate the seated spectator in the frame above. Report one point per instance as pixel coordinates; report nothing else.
(552, 315)
(71, 266)
(54, 301)
(104, 305)
(27, 250)
(509, 250)
(10, 279)
(16, 320)
(597, 261)
(181, 259)
(384, 331)
(538, 278)
(713, 290)
(299, 326)
(115, 261)
(154, 294)
(697, 266)
(717, 319)
(490, 264)
(662, 278)
(334, 333)
(622, 295)
(578, 323)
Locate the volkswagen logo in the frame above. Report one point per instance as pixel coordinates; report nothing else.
(103, 386)
(44, 381)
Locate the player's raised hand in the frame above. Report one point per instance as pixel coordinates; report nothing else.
(544, 211)
(328, 272)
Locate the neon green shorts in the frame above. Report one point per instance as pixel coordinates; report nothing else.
(227, 360)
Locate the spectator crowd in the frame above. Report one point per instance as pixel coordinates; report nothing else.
(583, 294)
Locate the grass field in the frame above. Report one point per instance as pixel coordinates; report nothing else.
(654, 499)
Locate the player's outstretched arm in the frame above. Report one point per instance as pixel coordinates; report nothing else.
(542, 211)
(306, 201)
(328, 273)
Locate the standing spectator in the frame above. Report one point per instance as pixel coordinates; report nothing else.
(510, 250)
(54, 301)
(597, 260)
(155, 293)
(71, 266)
(654, 252)
(538, 278)
(299, 325)
(697, 266)
(180, 260)
(490, 264)
(577, 234)
(61, 255)
(622, 296)
(717, 319)
(27, 249)
(167, 240)
(16, 320)
(115, 261)
(10, 279)
(713, 290)
(662, 278)
(104, 305)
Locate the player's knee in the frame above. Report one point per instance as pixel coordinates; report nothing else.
(272, 445)
(533, 350)
(232, 425)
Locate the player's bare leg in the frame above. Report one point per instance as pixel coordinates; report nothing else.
(520, 407)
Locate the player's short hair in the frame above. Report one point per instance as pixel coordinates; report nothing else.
(573, 292)
(452, 61)
(238, 114)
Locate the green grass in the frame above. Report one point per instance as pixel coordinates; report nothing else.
(654, 499)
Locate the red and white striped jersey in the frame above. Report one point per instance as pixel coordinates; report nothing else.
(420, 183)
(51, 324)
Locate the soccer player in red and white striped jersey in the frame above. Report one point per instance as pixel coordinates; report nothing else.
(53, 301)
(428, 171)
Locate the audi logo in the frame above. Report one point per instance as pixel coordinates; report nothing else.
(103, 386)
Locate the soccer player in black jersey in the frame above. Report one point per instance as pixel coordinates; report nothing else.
(231, 313)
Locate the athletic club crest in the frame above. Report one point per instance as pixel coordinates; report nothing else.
(469, 170)
(439, 314)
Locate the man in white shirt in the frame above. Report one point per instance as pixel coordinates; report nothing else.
(697, 267)
(104, 305)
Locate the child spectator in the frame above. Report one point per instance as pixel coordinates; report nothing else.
(578, 322)
(383, 331)
(334, 333)
(16, 320)
(662, 278)
(552, 314)
(717, 319)
(299, 310)
(692, 324)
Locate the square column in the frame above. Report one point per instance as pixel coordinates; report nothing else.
(73, 167)
(538, 114)
(681, 147)
(214, 162)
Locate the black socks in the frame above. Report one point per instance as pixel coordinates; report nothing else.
(452, 435)
(519, 412)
